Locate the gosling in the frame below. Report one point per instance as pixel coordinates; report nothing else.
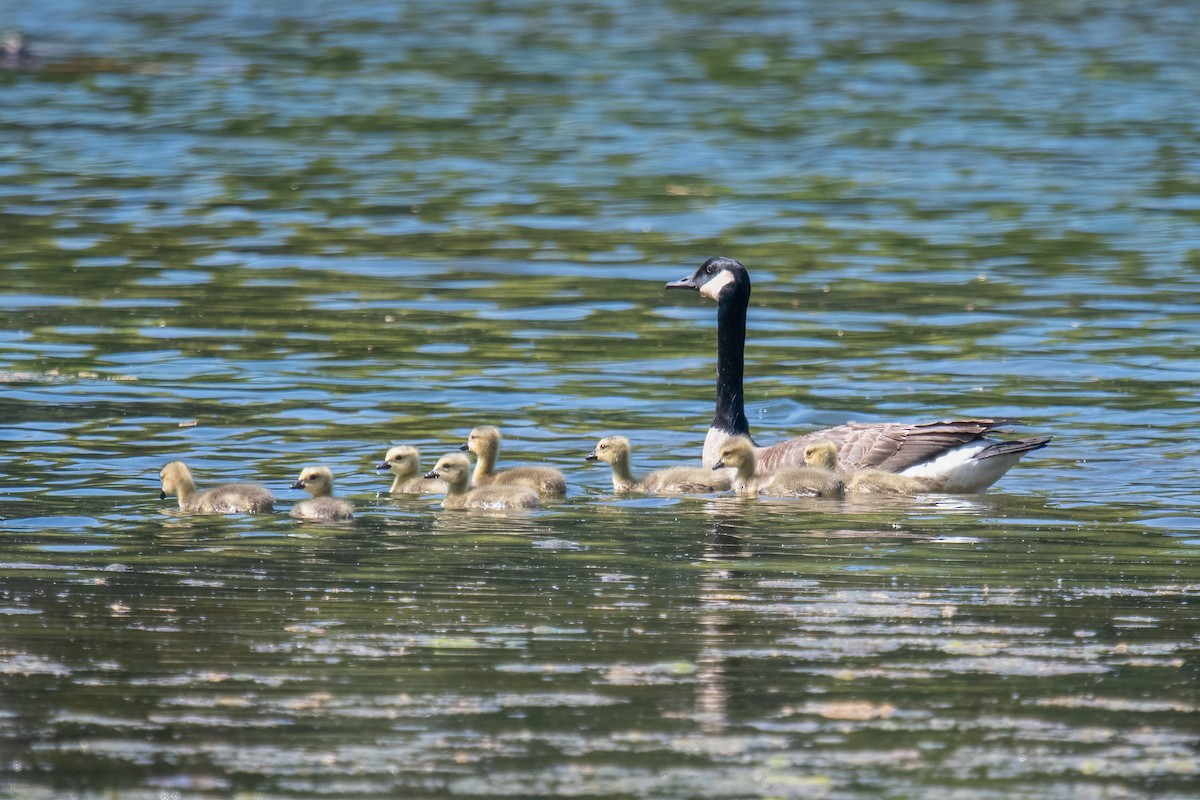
(484, 442)
(322, 506)
(877, 481)
(614, 450)
(823, 455)
(229, 498)
(455, 470)
(404, 462)
(807, 481)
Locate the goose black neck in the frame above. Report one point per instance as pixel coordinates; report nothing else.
(730, 413)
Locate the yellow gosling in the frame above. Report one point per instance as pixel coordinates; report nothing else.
(738, 452)
(876, 481)
(229, 498)
(615, 451)
(823, 455)
(484, 442)
(322, 506)
(404, 461)
(455, 470)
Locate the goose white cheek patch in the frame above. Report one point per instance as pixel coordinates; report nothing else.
(712, 289)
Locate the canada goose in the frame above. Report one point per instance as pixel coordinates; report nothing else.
(455, 470)
(484, 442)
(807, 481)
(955, 452)
(614, 450)
(323, 506)
(229, 498)
(404, 462)
(823, 455)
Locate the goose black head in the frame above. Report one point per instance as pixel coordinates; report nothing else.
(716, 278)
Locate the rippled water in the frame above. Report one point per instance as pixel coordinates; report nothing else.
(258, 236)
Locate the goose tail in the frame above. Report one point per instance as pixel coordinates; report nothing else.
(1016, 447)
(972, 468)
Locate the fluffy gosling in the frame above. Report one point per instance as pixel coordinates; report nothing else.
(455, 470)
(806, 481)
(614, 451)
(823, 455)
(484, 442)
(322, 506)
(404, 462)
(877, 481)
(229, 498)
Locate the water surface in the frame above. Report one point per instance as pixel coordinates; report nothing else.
(261, 236)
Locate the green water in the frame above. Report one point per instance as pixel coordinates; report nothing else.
(261, 236)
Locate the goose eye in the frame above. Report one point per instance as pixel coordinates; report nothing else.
(709, 269)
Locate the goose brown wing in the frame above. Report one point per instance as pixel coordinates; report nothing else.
(891, 446)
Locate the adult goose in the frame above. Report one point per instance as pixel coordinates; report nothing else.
(956, 453)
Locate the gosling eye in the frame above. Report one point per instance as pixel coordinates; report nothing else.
(603, 447)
